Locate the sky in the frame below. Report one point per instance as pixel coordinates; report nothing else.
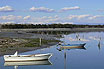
(52, 11)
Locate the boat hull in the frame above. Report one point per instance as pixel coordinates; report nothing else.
(13, 58)
(74, 45)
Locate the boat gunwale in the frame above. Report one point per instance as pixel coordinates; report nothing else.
(72, 45)
(34, 55)
(27, 60)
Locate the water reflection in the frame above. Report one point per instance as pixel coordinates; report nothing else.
(78, 38)
(70, 47)
(26, 63)
(65, 60)
(99, 45)
(51, 32)
(45, 62)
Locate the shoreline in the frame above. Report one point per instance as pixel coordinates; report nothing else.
(26, 49)
(53, 29)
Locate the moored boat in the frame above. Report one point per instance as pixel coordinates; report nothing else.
(75, 45)
(33, 57)
(72, 47)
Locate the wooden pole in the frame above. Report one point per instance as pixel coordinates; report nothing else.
(40, 41)
(64, 59)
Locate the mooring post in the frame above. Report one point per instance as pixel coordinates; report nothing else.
(40, 41)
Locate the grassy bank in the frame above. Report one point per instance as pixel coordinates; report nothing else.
(36, 42)
(10, 45)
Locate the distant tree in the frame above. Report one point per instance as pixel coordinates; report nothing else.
(28, 26)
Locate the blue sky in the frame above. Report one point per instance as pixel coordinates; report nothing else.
(52, 11)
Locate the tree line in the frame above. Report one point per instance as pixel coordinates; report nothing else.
(31, 26)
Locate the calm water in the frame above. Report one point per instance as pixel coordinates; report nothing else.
(91, 58)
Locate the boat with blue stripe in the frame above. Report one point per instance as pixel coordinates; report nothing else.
(73, 44)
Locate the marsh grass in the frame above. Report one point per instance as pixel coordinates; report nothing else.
(36, 42)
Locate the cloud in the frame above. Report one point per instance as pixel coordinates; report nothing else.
(38, 9)
(96, 17)
(86, 18)
(41, 9)
(6, 9)
(11, 22)
(27, 17)
(64, 22)
(83, 16)
(10, 17)
(70, 19)
(70, 8)
(78, 16)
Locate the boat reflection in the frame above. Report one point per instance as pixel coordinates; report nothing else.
(70, 47)
(45, 62)
(99, 45)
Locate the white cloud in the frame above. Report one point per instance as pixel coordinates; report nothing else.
(96, 16)
(41, 9)
(78, 16)
(86, 18)
(70, 8)
(6, 9)
(10, 17)
(11, 22)
(82, 16)
(71, 19)
(38, 9)
(27, 17)
(64, 22)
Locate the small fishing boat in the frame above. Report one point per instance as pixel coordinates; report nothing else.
(72, 47)
(33, 57)
(75, 45)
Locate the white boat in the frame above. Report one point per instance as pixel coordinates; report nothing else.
(25, 63)
(33, 57)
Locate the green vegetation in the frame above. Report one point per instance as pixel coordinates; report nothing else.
(29, 26)
(31, 43)
(36, 42)
(10, 45)
(26, 42)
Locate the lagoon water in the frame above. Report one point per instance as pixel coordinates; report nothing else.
(91, 58)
